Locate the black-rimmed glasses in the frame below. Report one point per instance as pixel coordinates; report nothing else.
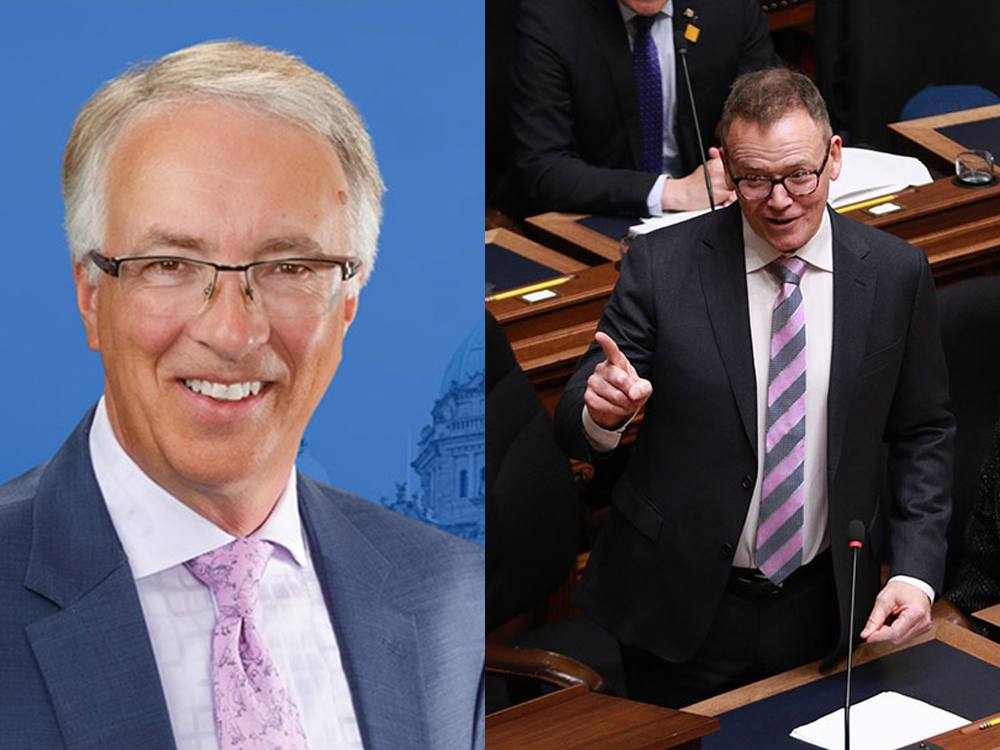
(799, 183)
(176, 287)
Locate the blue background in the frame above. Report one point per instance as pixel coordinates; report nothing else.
(413, 69)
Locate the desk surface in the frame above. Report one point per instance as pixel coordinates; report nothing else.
(924, 132)
(792, 698)
(990, 615)
(575, 718)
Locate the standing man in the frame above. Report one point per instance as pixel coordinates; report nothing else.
(775, 346)
(602, 121)
(168, 579)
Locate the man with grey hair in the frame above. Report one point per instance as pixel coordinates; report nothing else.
(775, 346)
(168, 579)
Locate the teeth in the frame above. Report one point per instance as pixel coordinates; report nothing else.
(223, 392)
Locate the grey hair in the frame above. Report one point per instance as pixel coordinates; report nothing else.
(243, 75)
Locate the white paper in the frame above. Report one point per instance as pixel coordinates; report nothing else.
(864, 174)
(868, 174)
(883, 722)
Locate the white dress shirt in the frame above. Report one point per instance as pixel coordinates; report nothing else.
(662, 32)
(159, 533)
(817, 296)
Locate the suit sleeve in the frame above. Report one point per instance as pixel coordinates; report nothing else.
(757, 51)
(920, 433)
(552, 171)
(629, 319)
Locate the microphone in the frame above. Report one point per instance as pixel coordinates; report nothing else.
(855, 540)
(680, 45)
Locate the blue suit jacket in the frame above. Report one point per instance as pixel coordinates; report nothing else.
(77, 669)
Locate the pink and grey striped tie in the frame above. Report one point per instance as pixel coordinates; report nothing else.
(779, 528)
(253, 710)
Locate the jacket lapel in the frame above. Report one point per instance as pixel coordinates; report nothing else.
(853, 296)
(724, 283)
(378, 643)
(94, 653)
(612, 38)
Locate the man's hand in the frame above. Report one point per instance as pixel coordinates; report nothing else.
(901, 612)
(614, 390)
(688, 193)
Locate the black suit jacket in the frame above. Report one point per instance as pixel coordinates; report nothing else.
(575, 109)
(680, 314)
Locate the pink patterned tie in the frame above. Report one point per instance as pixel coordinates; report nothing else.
(253, 711)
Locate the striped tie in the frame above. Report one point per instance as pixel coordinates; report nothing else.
(779, 528)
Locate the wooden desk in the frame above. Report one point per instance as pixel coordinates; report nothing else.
(923, 132)
(964, 640)
(549, 336)
(533, 251)
(990, 615)
(563, 232)
(574, 718)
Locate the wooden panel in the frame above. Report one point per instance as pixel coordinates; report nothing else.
(533, 251)
(562, 231)
(923, 132)
(782, 14)
(574, 719)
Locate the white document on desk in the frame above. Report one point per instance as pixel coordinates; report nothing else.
(864, 174)
(883, 722)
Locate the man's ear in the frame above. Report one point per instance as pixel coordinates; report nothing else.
(86, 301)
(836, 157)
(350, 310)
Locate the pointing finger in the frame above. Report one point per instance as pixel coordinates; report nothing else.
(611, 351)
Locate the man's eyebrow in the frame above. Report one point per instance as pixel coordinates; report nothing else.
(157, 237)
(300, 244)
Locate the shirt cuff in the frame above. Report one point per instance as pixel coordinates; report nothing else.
(602, 440)
(654, 200)
(915, 582)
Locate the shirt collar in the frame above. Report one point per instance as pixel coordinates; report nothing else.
(628, 14)
(157, 530)
(817, 252)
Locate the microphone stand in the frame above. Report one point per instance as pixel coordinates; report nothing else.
(855, 548)
(682, 53)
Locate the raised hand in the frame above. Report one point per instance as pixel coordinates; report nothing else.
(614, 390)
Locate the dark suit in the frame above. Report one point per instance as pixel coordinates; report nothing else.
(78, 667)
(660, 567)
(575, 108)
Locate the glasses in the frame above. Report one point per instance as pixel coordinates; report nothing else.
(799, 183)
(170, 286)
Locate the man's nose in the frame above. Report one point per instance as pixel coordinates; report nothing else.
(231, 323)
(779, 197)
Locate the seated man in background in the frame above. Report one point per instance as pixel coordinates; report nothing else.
(602, 122)
(977, 584)
(168, 566)
(775, 345)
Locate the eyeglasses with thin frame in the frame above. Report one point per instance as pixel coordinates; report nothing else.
(172, 286)
(800, 183)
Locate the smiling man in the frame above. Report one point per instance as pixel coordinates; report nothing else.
(168, 579)
(777, 348)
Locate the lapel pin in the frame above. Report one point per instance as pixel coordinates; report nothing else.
(691, 33)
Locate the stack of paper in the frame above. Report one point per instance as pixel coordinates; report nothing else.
(884, 722)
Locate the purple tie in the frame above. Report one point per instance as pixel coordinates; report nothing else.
(779, 528)
(649, 86)
(253, 711)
